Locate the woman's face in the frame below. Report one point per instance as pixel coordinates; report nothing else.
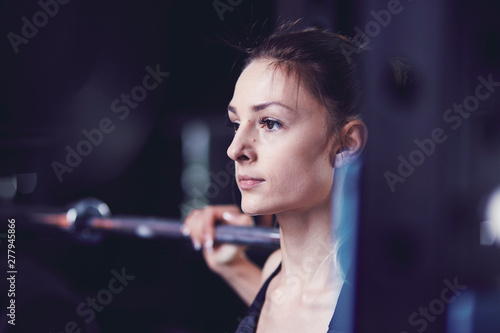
(282, 150)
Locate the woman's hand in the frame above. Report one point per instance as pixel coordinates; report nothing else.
(200, 225)
(229, 261)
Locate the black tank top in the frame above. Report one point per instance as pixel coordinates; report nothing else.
(340, 322)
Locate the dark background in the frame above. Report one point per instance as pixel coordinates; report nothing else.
(63, 81)
(66, 77)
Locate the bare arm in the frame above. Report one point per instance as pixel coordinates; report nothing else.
(229, 261)
(244, 277)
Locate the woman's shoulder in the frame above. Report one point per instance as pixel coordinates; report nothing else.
(271, 265)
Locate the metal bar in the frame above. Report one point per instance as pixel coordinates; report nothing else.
(152, 227)
(138, 226)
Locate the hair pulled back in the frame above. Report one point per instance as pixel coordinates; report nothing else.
(322, 63)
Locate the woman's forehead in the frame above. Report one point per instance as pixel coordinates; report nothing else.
(262, 81)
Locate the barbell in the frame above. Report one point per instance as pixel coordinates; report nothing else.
(90, 219)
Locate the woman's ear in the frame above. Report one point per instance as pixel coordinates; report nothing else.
(354, 136)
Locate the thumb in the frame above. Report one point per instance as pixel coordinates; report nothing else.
(237, 219)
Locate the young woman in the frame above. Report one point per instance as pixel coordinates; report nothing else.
(295, 122)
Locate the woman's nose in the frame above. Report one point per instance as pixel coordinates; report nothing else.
(241, 148)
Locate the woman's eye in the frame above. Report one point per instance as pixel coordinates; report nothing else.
(232, 124)
(270, 124)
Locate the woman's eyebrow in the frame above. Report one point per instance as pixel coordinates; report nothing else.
(262, 106)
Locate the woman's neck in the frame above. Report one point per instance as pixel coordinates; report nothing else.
(307, 248)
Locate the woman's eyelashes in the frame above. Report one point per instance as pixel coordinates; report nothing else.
(235, 125)
(232, 124)
(270, 124)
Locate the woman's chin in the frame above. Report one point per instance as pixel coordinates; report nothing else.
(257, 207)
(251, 207)
(250, 210)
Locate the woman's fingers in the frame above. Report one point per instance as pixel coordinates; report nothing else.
(200, 224)
(237, 219)
(194, 227)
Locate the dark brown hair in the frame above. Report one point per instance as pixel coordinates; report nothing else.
(322, 61)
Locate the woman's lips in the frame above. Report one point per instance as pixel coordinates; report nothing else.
(247, 182)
